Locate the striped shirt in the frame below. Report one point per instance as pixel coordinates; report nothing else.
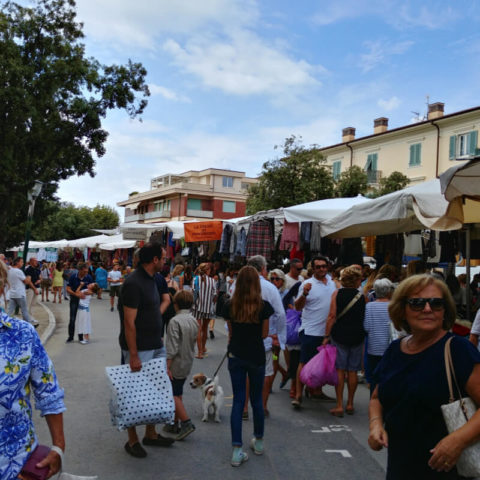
(207, 290)
(377, 325)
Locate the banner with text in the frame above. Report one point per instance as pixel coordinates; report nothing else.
(202, 231)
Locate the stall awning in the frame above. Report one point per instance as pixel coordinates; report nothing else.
(133, 206)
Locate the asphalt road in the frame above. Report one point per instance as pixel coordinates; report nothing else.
(302, 444)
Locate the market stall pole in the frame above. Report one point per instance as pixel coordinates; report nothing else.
(32, 197)
(461, 186)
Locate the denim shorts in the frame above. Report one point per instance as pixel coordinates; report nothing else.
(308, 346)
(144, 355)
(348, 357)
(177, 386)
(268, 363)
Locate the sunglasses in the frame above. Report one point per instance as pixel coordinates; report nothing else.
(317, 267)
(274, 279)
(418, 304)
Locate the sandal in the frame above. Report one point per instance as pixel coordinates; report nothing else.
(336, 412)
(349, 410)
(200, 357)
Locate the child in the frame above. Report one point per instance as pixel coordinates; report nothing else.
(181, 336)
(84, 320)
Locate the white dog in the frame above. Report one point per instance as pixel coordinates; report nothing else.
(212, 395)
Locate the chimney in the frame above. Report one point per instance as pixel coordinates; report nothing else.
(435, 110)
(348, 134)
(380, 125)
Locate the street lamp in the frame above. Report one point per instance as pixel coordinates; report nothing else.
(32, 197)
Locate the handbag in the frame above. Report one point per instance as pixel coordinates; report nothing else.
(141, 398)
(456, 413)
(352, 302)
(293, 326)
(30, 469)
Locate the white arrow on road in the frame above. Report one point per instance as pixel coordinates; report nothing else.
(343, 453)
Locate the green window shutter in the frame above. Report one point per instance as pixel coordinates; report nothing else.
(374, 162)
(418, 156)
(194, 204)
(411, 162)
(453, 146)
(472, 142)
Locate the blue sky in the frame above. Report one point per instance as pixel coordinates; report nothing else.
(231, 79)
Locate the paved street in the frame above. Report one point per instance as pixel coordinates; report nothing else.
(297, 443)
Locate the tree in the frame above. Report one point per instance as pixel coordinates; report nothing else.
(299, 176)
(52, 102)
(394, 182)
(352, 182)
(70, 222)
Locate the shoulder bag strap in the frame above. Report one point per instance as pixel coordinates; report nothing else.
(353, 301)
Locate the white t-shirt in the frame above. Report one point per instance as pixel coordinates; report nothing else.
(85, 302)
(317, 306)
(290, 282)
(15, 279)
(115, 276)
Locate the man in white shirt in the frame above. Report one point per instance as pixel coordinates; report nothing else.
(18, 296)
(313, 300)
(293, 276)
(115, 280)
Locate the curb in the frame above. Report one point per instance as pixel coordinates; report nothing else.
(51, 325)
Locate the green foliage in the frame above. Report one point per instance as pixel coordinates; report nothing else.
(352, 182)
(299, 176)
(52, 103)
(70, 222)
(394, 182)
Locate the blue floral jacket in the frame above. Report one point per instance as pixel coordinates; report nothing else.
(24, 365)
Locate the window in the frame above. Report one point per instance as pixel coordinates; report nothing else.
(244, 186)
(336, 169)
(228, 207)
(227, 182)
(194, 204)
(415, 155)
(463, 145)
(371, 164)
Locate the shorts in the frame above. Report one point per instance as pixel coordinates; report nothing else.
(114, 290)
(268, 363)
(177, 386)
(145, 355)
(348, 357)
(308, 346)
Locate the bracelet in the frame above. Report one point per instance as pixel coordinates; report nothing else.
(58, 450)
(305, 294)
(375, 418)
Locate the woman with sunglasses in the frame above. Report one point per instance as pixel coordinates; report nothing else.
(404, 410)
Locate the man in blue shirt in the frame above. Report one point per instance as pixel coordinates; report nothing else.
(73, 283)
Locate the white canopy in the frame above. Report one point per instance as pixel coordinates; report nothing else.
(117, 244)
(321, 210)
(413, 208)
(175, 226)
(91, 242)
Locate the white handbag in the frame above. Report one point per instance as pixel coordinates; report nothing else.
(456, 413)
(141, 398)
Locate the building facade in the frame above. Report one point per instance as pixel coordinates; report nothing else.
(421, 150)
(210, 194)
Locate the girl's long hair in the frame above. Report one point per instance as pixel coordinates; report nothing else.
(247, 300)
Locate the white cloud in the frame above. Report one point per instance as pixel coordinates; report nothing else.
(379, 51)
(242, 65)
(391, 104)
(167, 93)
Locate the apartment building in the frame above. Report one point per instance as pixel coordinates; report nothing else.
(420, 150)
(210, 194)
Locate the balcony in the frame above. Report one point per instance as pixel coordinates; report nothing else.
(134, 218)
(158, 214)
(373, 177)
(199, 213)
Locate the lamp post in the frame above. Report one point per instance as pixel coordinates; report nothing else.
(32, 197)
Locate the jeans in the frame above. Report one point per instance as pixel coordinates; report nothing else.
(73, 315)
(239, 369)
(22, 303)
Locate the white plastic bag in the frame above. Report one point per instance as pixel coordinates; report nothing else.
(69, 476)
(141, 398)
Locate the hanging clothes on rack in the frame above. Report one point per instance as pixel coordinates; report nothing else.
(226, 239)
(260, 239)
(241, 246)
(315, 237)
(289, 236)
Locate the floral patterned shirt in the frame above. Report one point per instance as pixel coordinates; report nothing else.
(24, 365)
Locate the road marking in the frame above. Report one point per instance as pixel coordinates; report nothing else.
(333, 428)
(343, 453)
(231, 396)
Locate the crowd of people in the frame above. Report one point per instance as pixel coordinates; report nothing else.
(389, 326)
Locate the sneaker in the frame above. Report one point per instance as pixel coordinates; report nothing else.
(212, 335)
(256, 444)
(186, 429)
(171, 428)
(69, 340)
(84, 342)
(111, 309)
(238, 457)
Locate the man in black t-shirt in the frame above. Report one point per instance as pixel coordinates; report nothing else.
(33, 272)
(141, 330)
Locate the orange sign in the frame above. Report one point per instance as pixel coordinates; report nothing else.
(202, 231)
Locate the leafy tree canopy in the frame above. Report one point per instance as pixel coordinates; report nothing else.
(395, 181)
(52, 102)
(299, 176)
(352, 182)
(70, 222)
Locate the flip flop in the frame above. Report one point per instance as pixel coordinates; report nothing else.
(336, 413)
(349, 410)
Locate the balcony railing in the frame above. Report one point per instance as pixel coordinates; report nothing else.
(134, 218)
(158, 214)
(373, 176)
(199, 213)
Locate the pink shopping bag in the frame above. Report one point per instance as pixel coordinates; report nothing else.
(320, 370)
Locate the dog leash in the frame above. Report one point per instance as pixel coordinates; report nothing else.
(221, 363)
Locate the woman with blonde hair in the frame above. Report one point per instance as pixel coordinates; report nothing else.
(247, 319)
(205, 291)
(57, 282)
(177, 275)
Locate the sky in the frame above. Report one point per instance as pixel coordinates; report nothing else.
(230, 79)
